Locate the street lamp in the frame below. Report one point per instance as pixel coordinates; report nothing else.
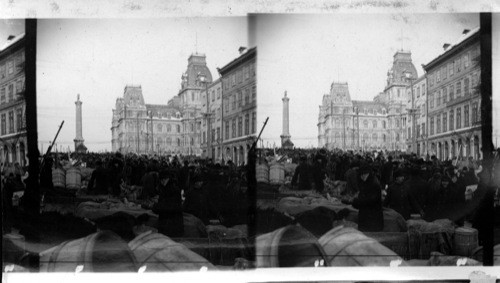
(412, 111)
(202, 78)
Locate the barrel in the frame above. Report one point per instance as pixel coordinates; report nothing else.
(159, 253)
(99, 252)
(290, 246)
(290, 168)
(59, 178)
(73, 178)
(277, 174)
(349, 247)
(465, 241)
(262, 173)
(226, 245)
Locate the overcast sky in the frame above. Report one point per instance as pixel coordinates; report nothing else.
(299, 53)
(304, 54)
(98, 58)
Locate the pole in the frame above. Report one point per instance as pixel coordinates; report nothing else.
(343, 125)
(357, 122)
(209, 130)
(413, 145)
(137, 129)
(152, 132)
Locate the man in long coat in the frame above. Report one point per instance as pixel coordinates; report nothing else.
(369, 202)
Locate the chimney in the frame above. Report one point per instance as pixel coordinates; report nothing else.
(242, 49)
(446, 45)
(466, 31)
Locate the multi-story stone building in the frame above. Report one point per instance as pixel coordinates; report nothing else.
(174, 128)
(146, 128)
(351, 124)
(239, 111)
(369, 125)
(13, 139)
(416, 140)
(454, 99)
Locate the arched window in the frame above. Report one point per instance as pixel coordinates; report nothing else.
(365, 137)
(337, 137)
(178, 128)
(178, 142)
(365, 123)
(169, 141)
(374, 137)
(374, 123)
(169, 128)
(337, 123)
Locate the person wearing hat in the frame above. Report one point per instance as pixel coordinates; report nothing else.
(169, 206)
(369, 201)
(302, 175)
(400, 198)
(417, 188)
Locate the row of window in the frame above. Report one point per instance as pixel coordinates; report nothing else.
(12, 66)
(239, 129)
(444, 122)
(8, 92)
(13, 125)
(215, 135)
(453, 91)
(397, 122)
(365, 138)
(131, 125)
(239, 76)
(159, 142)
(458, 65)
(240, 99)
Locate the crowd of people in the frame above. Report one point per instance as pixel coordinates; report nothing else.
(415, 187)
(168, 185)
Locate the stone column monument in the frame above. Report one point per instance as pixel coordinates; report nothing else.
(285, 136)
(79, 146)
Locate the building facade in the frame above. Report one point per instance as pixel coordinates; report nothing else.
(13, 138)
(368, 125)
(239, 106)
(454, 99)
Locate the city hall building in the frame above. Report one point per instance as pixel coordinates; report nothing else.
(380, 124)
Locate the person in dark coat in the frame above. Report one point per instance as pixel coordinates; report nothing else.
(387, 172)
(400, 198)
(457, 200)
(115, 169)
(99, 181)
(369, 202)
(46, 183)
(319, 174)
(196, 202)
(150, 182)
(352, 180)
(169, 207)
(302, 175)
(417, 188)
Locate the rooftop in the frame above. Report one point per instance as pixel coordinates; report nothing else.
(12, 41)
